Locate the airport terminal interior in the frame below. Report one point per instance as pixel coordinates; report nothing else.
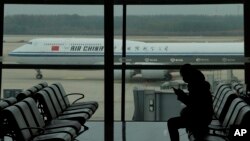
(105, 70)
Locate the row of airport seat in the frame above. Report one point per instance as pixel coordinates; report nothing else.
(44, 113)
(230, 113)
(241, 91)
(238, 87)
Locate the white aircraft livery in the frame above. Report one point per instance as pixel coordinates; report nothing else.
(91, 51)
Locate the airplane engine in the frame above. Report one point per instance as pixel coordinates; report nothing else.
(156, 74)
(128, 75)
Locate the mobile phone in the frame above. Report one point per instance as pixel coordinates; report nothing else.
(174, 89)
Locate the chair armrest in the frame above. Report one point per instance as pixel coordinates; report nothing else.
(218, 128)
(215, 129)
(82, 96)
(42, 130)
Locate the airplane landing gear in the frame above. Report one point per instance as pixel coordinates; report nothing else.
(39, 74)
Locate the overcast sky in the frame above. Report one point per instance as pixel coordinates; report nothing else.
(85, 10)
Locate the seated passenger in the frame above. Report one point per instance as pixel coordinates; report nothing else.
(198, 112)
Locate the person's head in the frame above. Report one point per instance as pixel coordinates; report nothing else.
(185, 72)
(191, 74)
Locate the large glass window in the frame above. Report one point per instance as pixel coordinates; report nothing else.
(52, 39)
(166, 37)
(74, 81)
(178, 34)
(66, 43)
(61, 34)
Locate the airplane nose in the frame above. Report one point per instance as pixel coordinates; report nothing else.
(17, 51)
(11, 53)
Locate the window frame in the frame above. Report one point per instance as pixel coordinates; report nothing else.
(108, 36)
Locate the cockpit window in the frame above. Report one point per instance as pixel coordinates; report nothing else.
(29, 43)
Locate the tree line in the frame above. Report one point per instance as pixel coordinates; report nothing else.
(167, 25)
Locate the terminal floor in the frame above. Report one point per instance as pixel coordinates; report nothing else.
(135, 131)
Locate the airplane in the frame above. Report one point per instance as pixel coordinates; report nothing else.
(91, 51)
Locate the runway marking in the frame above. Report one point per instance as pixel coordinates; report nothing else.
(74, 78)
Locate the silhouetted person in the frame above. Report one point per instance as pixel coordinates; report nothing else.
(198, 111)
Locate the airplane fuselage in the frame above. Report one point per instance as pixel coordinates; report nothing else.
(91, 51)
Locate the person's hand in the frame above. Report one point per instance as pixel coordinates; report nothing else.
(178, 92)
